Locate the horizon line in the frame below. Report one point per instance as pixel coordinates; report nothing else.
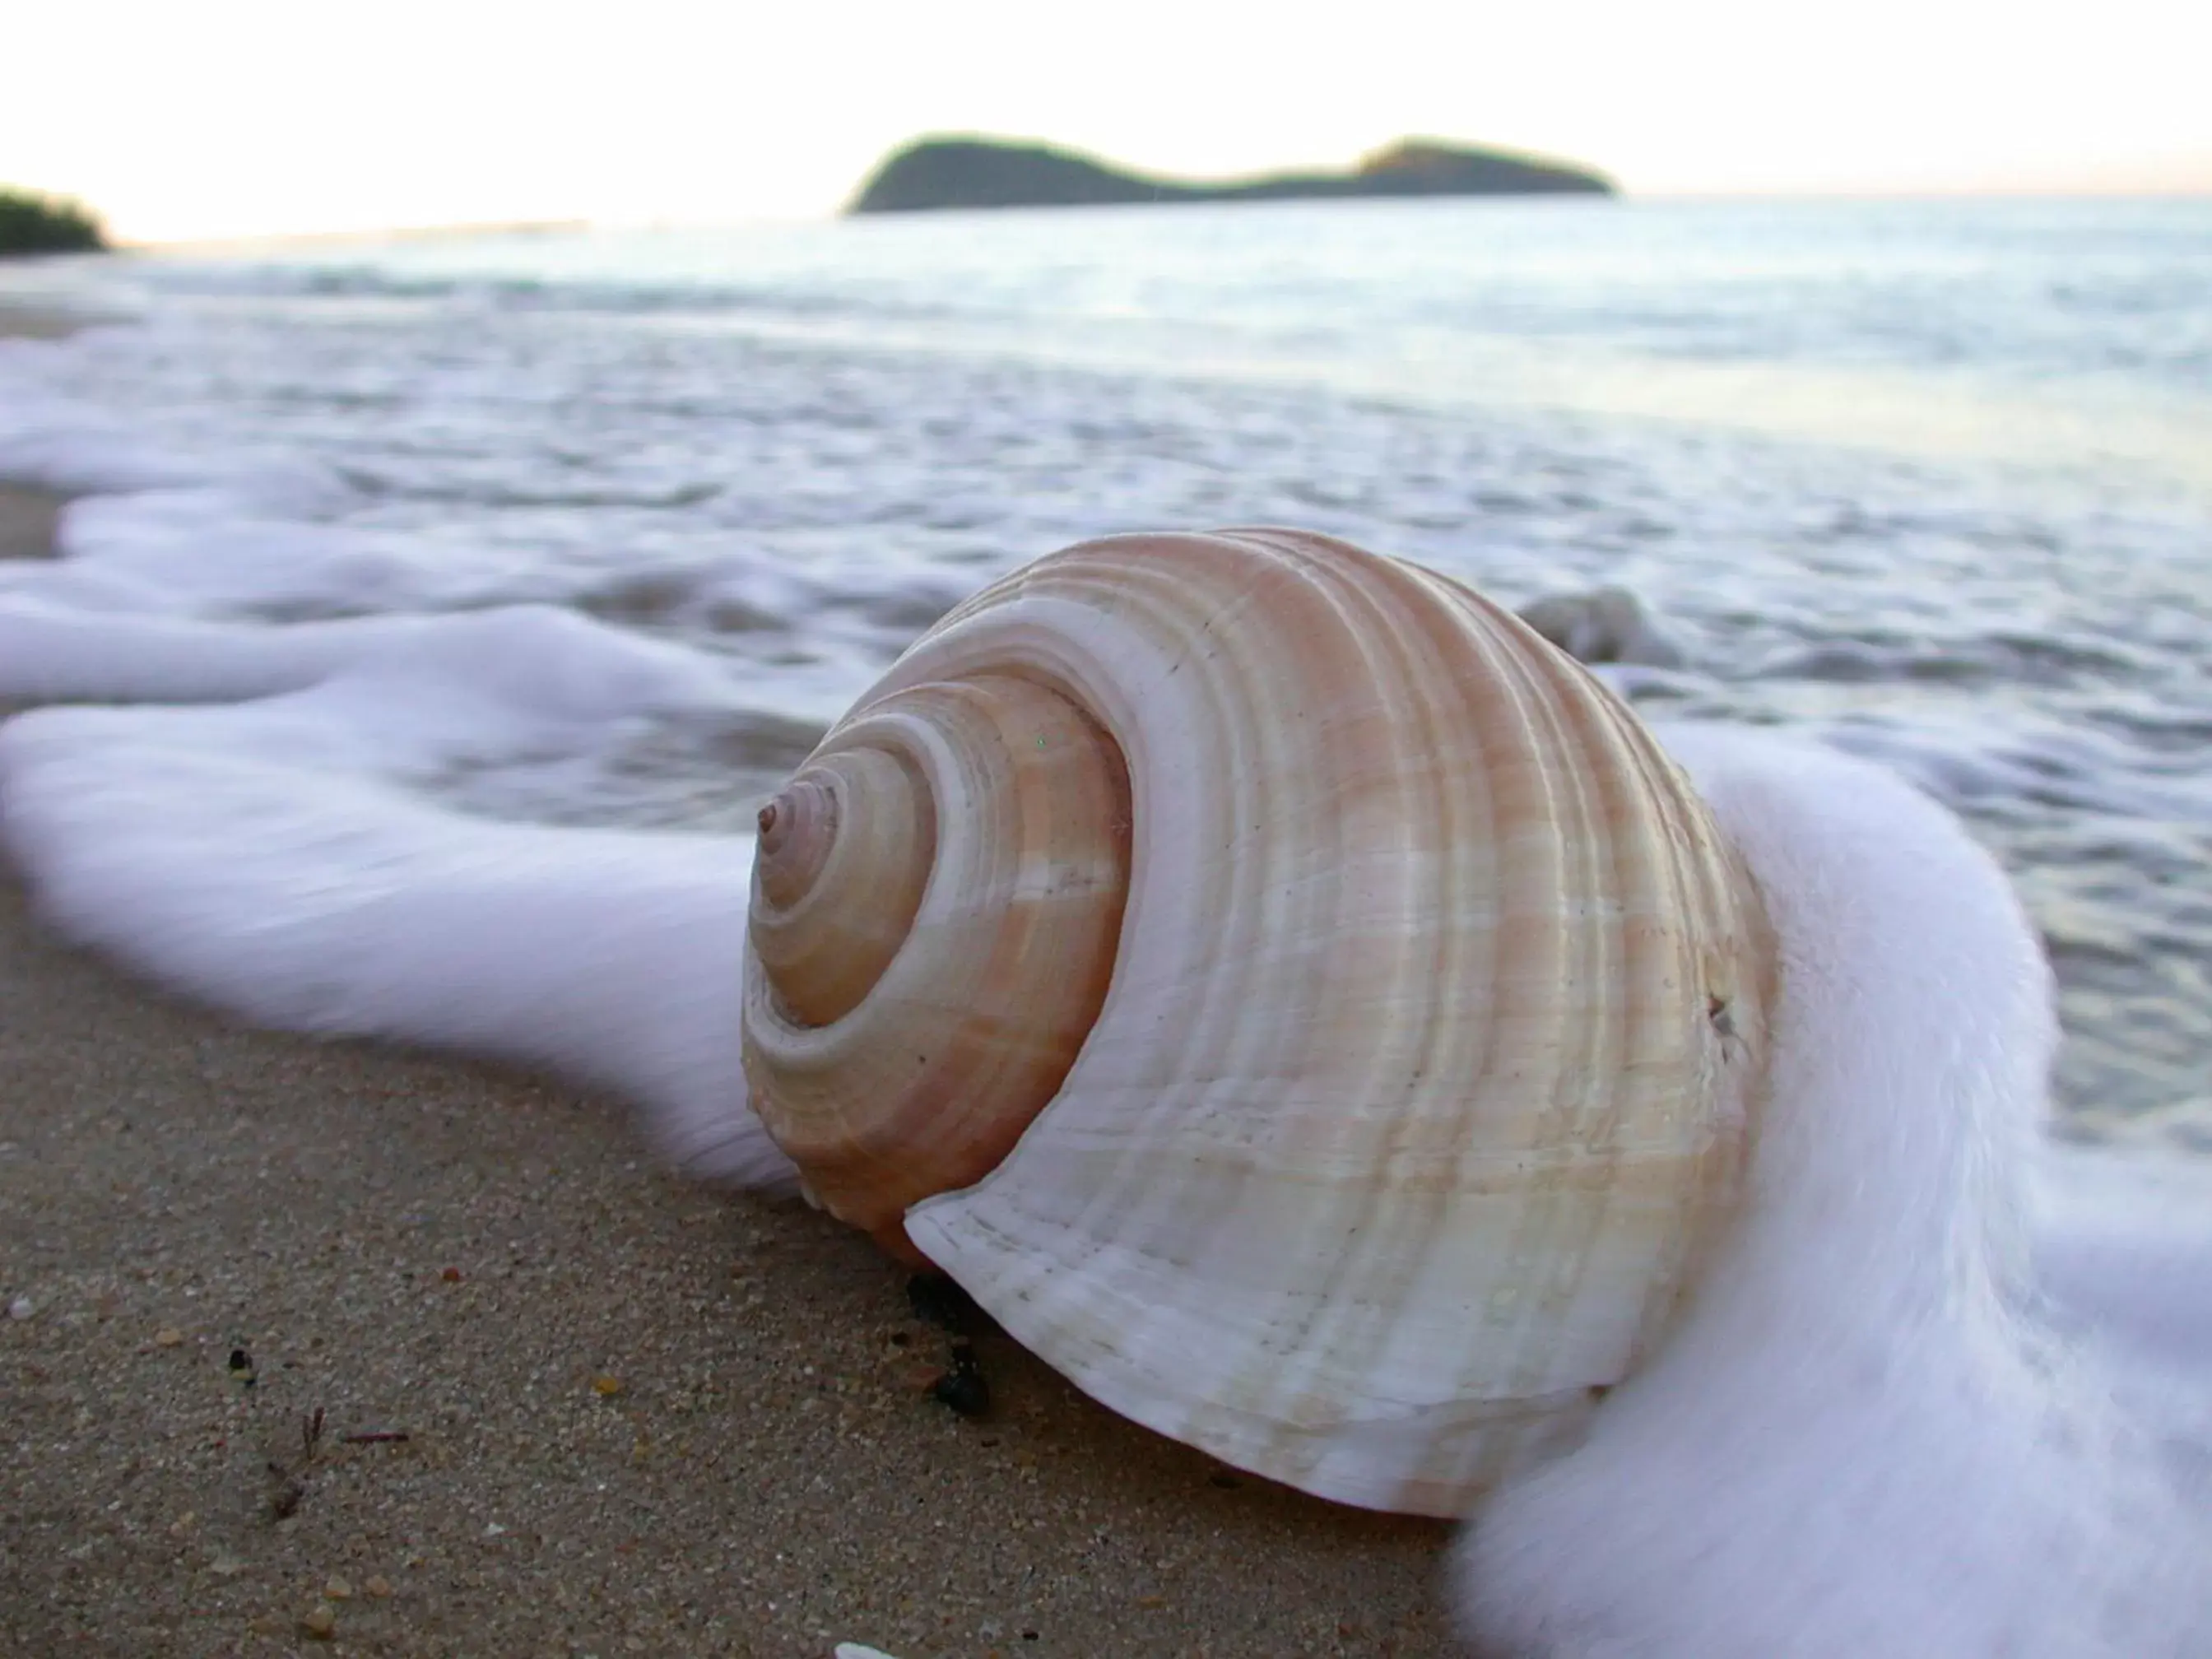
(462, 229)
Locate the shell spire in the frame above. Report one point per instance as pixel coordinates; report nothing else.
(937, 896)
(1342, 1074)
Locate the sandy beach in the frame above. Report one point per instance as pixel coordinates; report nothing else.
(569, 1403)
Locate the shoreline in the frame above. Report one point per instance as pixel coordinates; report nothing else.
(30, 515)
(641, 1415)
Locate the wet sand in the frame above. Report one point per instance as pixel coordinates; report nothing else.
(638, 1416)
(28, 518)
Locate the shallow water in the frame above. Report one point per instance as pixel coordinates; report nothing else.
(1932, 482)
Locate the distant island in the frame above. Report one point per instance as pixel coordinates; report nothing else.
(32, 223)
(934, 174)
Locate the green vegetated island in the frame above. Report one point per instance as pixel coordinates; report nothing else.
(935, 173)
(32, 223)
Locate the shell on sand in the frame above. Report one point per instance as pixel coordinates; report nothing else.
(1297, 1002)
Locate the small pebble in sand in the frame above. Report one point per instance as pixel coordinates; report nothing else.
(21, 1308)
(859, 1650)
(379, 1586)
(337, 1590)
(606, 1387)
(168, 1337)
(285, 1491)
(319, 1623)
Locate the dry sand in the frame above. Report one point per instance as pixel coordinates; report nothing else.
(640, 1417)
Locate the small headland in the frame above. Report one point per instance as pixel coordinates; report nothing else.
(967, 172)
(32, 223)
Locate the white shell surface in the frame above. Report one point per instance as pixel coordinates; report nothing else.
(1425, 1070)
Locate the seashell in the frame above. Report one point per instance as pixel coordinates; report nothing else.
(1300, 1003)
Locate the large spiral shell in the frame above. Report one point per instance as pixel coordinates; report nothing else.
(1301, 1005)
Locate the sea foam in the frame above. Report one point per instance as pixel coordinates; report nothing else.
(315, 902)
(1874, 1432)
(253, 826)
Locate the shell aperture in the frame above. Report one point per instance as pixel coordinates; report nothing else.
(1391, 1053)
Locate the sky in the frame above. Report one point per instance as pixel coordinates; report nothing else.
(244, 117)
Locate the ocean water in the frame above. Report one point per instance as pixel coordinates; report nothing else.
(436, 615)
(1931, 482)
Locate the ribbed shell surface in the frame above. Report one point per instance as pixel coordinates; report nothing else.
(1433, 1035)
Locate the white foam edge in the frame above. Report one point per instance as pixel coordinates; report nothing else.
(1872, 1432)
(258, 855)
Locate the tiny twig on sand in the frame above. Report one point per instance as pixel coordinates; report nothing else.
(287, 1484)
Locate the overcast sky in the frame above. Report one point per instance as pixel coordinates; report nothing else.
(228, 118)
